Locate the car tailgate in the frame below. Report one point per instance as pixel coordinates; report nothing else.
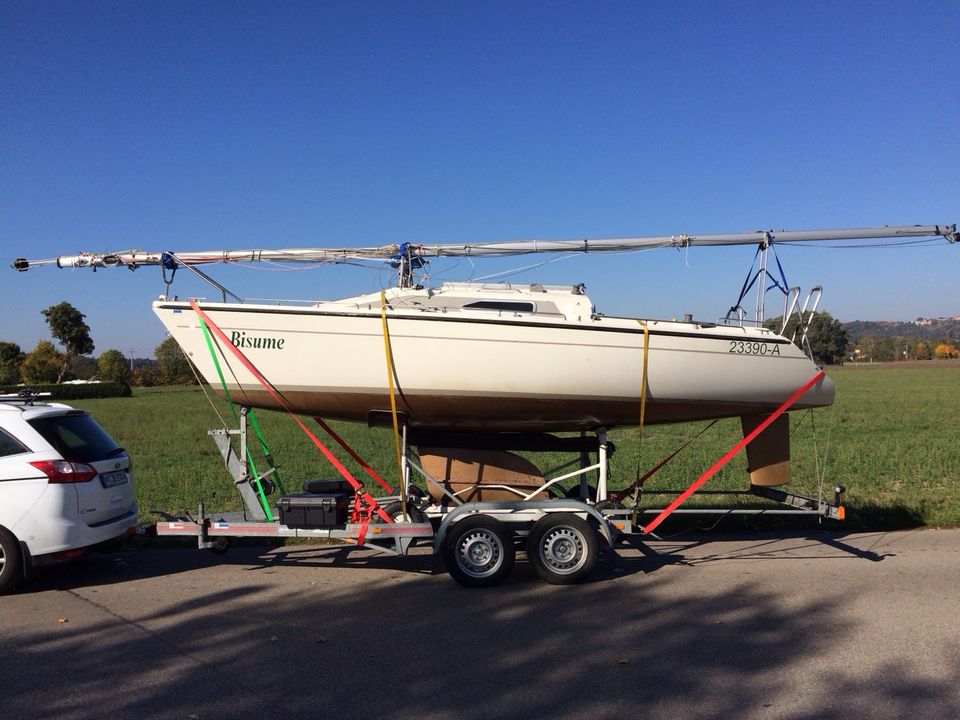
(109, 495)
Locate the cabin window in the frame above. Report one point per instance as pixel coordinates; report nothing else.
(500, 305)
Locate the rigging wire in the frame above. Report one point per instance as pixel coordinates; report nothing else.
(206, 394)
(517, 271)
(822, 475)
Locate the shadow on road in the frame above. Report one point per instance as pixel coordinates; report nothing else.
(408, 642)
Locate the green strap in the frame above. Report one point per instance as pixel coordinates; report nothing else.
(266, 451)
(253, 468)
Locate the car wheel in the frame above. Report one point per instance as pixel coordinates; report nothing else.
(10, 561)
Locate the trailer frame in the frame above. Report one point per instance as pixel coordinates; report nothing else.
(477, 540)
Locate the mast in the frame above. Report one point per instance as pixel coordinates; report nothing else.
(409, 256)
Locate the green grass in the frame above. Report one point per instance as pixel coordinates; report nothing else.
(890, 439)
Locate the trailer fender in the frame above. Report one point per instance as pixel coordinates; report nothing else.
(503, 510)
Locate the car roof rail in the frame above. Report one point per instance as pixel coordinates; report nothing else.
(27, 396)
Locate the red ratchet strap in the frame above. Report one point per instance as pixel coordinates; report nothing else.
(286, 406)
(360, 461)
(732, 452)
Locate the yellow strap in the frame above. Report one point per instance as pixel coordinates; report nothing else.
(643, 376)
(393, 400)
(643, 410)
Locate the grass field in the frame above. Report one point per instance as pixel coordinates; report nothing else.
(890, 439)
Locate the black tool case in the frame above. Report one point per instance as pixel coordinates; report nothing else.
(314, 510)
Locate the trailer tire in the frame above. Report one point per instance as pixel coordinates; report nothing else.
(11, 561)
(573, 493)
(563, 548)
(609, 504)
(395, 511)
(219, 546)
(479, 551)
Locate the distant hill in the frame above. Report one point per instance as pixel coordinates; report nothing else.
(924, 328)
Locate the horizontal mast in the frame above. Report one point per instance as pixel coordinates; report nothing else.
(136, 258)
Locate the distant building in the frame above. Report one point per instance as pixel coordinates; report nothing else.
(924, 321)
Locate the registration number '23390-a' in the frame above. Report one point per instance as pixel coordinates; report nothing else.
(753, 348)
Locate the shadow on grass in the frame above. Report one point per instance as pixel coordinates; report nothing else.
(871, 516)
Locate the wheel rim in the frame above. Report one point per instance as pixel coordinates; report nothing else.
(563, 550)
(479, 553)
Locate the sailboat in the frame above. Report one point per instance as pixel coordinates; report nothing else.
(505, 357)
(472, 356)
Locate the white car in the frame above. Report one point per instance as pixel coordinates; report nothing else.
(65, 486)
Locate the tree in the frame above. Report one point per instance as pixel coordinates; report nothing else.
(42, 365)
(172, 363)
(827, 337)
(145, 376)
(67, 325)
(113, 367)
(10, 358)
(877, 348)
(944, 351)
(921, 350)
(82, 367)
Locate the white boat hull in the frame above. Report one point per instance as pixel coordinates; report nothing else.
(455, 371)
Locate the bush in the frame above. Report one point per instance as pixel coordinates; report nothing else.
(73, 392)
(113, 367)
(146, 376)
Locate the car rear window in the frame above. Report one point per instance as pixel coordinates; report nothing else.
(77, 438)
(10, 445)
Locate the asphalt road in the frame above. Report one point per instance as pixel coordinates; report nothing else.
(823, 625)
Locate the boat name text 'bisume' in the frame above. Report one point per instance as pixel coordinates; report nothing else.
(241, 340)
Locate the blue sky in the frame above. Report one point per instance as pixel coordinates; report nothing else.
(186, 126)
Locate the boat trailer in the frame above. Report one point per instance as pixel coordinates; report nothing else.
(475, 525)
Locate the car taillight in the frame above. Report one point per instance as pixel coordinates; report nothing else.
(64, 471)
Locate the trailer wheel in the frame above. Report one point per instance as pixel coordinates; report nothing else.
(479, 551)
(394, 511)
(10, 561)
(609, 504)
(573, 493)
(219, 546)
(562, 548)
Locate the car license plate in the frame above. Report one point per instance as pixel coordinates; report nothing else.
(113, 478)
